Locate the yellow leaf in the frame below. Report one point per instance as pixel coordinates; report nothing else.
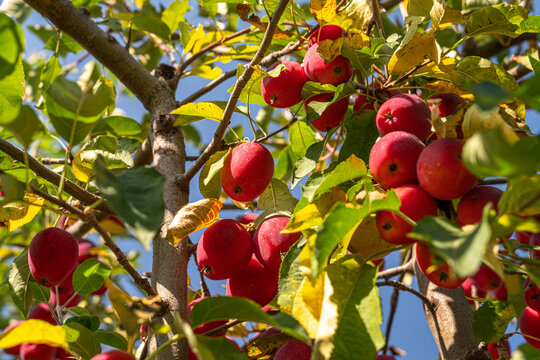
(413, 53)
(197, 111)
(308, 304)
(360, 12)
(323, 10)
(476, 120)
(193, 217)
(328, 321)
(451, 17)
(207, 72)
(444, 87)
(330, 49)
(37, 332)
(243, 11)
(83, 170)
(113, 225)
(29, 208)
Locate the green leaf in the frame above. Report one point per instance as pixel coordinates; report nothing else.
(491, 320)
(501, 19)
(11, 46)
(487, 153)
(11, 69)
(73, 112)
(521, 196)
(89, 322)
(111, 338)
(526, 352)
(351, 313)
(473, 69)
(197, 111)
(527, 91)
(347, 170)
(36, 332)
(90, 276)
(290, 279)
(147, 23)
(174, 14)
(460, 249)
(209, 179)
(118, 126)
(276, 197)
(251, 93)
(285, 163)
(136, 196)
(52, 70)
(489, 95)
(81, 340)
(225, 308)
(301, 137)
(530, 25)
(19, 283)
(361, 135)
(26, 127)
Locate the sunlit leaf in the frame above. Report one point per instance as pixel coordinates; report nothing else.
(36, 332)
(192, 217)
(90, 276)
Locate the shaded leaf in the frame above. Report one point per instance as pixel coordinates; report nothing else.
(501, 19)
(81, 340)
(491, 320)
(361, 135)
(290, 279)
(276, 197)
(19, 283)
(301, 137)
(111, 338)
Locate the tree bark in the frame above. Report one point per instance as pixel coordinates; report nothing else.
(451, 322)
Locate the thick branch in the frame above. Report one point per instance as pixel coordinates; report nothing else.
(495, 46)
(44, 172)
(77, 24)
(451, 323)
(216, 142)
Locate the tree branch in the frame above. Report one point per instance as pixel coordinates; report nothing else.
(208, 87)
(398, 285)
(77, 24)
(495, 46)
(85, 197)
(217, 140)
(398, 270)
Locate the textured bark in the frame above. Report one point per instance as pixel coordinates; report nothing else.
(451, 322)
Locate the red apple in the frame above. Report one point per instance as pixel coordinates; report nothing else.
(247, 171)
(494, 352)
(532, 295)
(85, 248)
(500, 293)
(37, 352)
(441, 172)
(467, 289)
(535, 241)
(486, 279)
(529, 323)
(294, 350)
(446, 103)
(114, 355)
(385, 357)
(209, 326)
(254, 282)
(332, 116)
(269, 244)
(335, 72)
(471, 205)
(41, 311)
(285, 90)
(13, 350)
(415, 203)
(326, 32)
(224, 249)
(404, 112)
(523, 237)
(393, 158)
(361, 103)
(439, 274)
(247, 218)
(52, 255)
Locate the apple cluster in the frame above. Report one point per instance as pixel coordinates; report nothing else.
(53, 256)
(285, 90)
(252, 270)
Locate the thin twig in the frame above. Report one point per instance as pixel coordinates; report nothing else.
(407, 74)
(493, 182)
(217, 140)
(208, 87)
(208, 48)
(283, 128)
(52, 161)
(66, 69)
(404, 287)
(398, 270)
(85, 197)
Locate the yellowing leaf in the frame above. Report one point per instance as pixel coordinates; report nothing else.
(82, 171)
(197, 111)
(330, 49)
(323, 10)
(444, 87)
(308, 304)
(418, 7)
(193, 217)
(451, 17)
(26, 211)
(413, 53)
(113, 225)
(37, 332)
(360, 12)
(476, 120)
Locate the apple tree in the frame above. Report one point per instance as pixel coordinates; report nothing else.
(351, 130)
